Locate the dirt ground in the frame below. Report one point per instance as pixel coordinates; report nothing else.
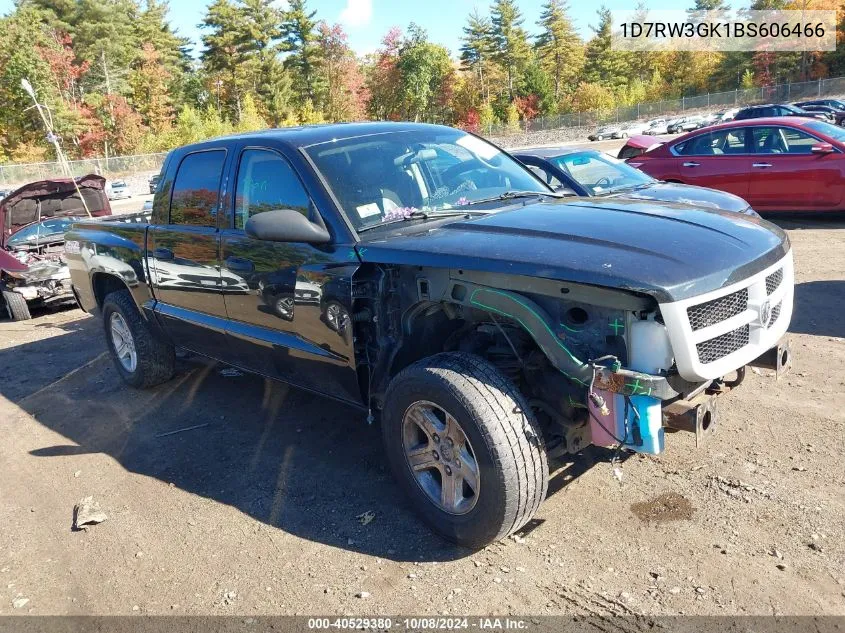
(256, 511)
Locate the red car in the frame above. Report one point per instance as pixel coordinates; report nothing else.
(776, 164)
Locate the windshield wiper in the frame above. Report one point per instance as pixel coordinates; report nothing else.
(420, 215)
(510, 195)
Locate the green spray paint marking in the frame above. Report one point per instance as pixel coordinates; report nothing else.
(571, 329)
(637, 389)
(523, 324)
(616, 326)
(351, 253)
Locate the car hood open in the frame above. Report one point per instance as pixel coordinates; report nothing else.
(670, 251)
(56, 197)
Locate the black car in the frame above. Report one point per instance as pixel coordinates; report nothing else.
(586, 172)
(442, 288)
(836, 104)
(775, 110)
(154, 182)
(835, 115)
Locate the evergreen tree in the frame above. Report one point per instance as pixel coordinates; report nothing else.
(511, 42)
(477, 48)
(299, 33)
(559, 47)
(152, 27)
(105, 35)
(602, 65)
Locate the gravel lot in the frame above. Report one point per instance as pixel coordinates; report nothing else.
(257, 511)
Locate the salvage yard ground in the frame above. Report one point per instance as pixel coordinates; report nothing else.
(261, 508)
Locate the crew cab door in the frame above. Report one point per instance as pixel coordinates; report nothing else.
(787, 176)
(717, 159)
(183, 256)
(294, 320)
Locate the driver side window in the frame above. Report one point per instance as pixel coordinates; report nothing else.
(267, 182)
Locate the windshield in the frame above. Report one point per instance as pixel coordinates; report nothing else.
(32, 234)
(600, 173)
(381, 177)
(828, 129)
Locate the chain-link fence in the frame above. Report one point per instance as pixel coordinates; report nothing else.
(114, 167)
(720, 100)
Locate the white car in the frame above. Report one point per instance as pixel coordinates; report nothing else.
(118, 190)
(656, 127)
(633, 129)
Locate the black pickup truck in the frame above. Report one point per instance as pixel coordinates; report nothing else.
(423, 275)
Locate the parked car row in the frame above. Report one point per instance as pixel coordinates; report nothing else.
(829, 110)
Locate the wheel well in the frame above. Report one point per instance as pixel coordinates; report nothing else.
(103, 285)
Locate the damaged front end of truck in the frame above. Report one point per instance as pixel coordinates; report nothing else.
(601, 366)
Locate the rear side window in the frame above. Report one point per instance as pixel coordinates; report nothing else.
(730, 141)
(266, 182)
(196, 189)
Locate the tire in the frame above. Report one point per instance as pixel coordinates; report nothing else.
(16, 306)
(599, 138)
(505, 447)
(155, 360)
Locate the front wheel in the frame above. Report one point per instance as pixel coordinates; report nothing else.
(465, 448)
(141, 359)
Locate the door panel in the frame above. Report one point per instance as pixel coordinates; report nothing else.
(716, 159)
(787, 176)
(183, 257)
(293, 320)
(725, 173)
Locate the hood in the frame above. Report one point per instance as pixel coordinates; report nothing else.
(670, 251)
(688, 194)
(51, 198)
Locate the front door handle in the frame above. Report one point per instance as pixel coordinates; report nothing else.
(163, 253)
(240, 265)
(690, 164)
(761, 165)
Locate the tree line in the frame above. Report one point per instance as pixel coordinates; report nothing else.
(118, 79)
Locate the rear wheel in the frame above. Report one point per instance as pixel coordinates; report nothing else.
(141, 359)
(16, 306)
(465, 447)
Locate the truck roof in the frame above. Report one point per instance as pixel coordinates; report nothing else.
(307, 135)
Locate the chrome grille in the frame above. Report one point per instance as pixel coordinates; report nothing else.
(706, 314)
(722, 345)
(775, 314)
(773, 281)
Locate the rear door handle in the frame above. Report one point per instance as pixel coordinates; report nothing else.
(690, 164)
(761, 165)
(163, 253)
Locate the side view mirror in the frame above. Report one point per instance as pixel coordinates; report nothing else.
(822, 148)
(285, 225)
